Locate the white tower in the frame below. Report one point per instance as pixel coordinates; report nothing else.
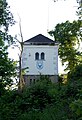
(40, 55)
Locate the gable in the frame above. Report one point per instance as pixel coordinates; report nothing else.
(39, 39)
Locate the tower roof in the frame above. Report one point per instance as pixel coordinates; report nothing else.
(39, 39)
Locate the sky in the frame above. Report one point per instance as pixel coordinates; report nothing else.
(40, 16)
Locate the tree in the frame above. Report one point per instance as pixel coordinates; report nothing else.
(21, 84)
(43, 101)
(39, 101)
(75, 80)
(7, 68)
(21, 71)
(76, 74)
(79, 12)
(68, 35)
(6, 17)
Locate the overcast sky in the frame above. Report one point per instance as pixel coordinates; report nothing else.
(38, 16)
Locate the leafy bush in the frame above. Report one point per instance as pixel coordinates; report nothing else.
(43, 101)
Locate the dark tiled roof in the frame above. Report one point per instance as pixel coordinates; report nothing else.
(39, 39)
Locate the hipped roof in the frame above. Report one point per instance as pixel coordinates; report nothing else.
(39, 39)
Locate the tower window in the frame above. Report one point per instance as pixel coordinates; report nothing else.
(30, 81)
(36, 56)
(42, 56)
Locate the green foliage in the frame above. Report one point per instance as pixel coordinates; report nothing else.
(76, 107)
(42, 101)
(38, 95)
(6, 17)
(79, 12)
(76, 74)
(8, 106)
(68, 35)
(7, 68)
(75, 80)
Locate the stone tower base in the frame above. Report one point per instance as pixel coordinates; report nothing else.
(30, 79)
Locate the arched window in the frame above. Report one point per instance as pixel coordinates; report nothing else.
(42, 56)
(36, 56)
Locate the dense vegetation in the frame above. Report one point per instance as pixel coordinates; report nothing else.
(45, 100)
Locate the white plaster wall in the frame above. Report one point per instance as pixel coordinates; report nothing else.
(50, 64)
